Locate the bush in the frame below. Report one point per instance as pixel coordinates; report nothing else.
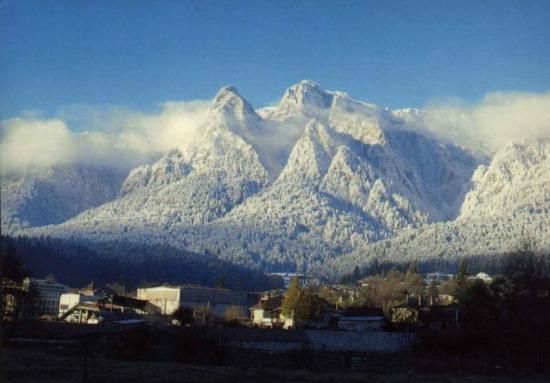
(184, 315)
(233, 314)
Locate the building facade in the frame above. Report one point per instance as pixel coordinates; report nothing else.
(68, 300)
(48, 294)
(169, 298)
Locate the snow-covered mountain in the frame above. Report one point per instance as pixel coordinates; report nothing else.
(39, 197)
(189, 186)
(509, 202)
(517, 182)
(321, 180)
(316, 176)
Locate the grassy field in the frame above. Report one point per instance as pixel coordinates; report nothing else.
(28, 364)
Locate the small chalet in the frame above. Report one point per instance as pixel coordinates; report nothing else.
(268, 313)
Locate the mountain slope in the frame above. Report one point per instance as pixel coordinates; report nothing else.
(191, 185)
(517, 182)
(316, 176)
(509, 202)
(41, 197)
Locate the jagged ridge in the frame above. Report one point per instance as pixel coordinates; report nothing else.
(316, 176)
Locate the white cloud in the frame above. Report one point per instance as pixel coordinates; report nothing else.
(107, 136)
(490, 124)
(30, 142)
(124, 138)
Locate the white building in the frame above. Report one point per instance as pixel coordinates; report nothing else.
(49, 293)
(438, 277)
(305, 280)
(268, 313)
(170, 298)
(483, 276)
(69, 300)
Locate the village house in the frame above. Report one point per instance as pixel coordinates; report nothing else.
(304, 279)
(113, 308)
(48, 294)
(15, 300)
(75, 296)
(437, 277)
(445, 299)
(268, 313)
(348, 295)
(169, 298)
(483, 276)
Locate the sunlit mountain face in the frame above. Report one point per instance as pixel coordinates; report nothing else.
(321, 180)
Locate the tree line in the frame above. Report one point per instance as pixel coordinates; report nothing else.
(123, 263)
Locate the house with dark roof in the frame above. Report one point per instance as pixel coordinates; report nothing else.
(268, 313)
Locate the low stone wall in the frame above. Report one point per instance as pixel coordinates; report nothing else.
(359, 341)
(316, 340)
(274, 347)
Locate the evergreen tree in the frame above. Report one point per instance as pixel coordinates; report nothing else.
(292, 297)
(184, 315)
(233, 314)
(356, 274)
(309, 308)
(220, 282)
(11, 264)
(480, 310)
(460, 279)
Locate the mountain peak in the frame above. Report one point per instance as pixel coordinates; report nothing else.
(306, 93)
(230, 103)
(226, 94)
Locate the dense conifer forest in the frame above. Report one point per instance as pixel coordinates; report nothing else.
(76, 263)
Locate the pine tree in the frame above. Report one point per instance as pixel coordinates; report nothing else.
(356, 274)
(309, 308)
(460, 279)
(462, 272)
(220, 282)
(292, 297)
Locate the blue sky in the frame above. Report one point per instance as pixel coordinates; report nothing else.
(137, 54)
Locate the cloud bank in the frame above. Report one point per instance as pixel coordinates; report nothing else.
(107, 136)
(123, 138)
(489, 125)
